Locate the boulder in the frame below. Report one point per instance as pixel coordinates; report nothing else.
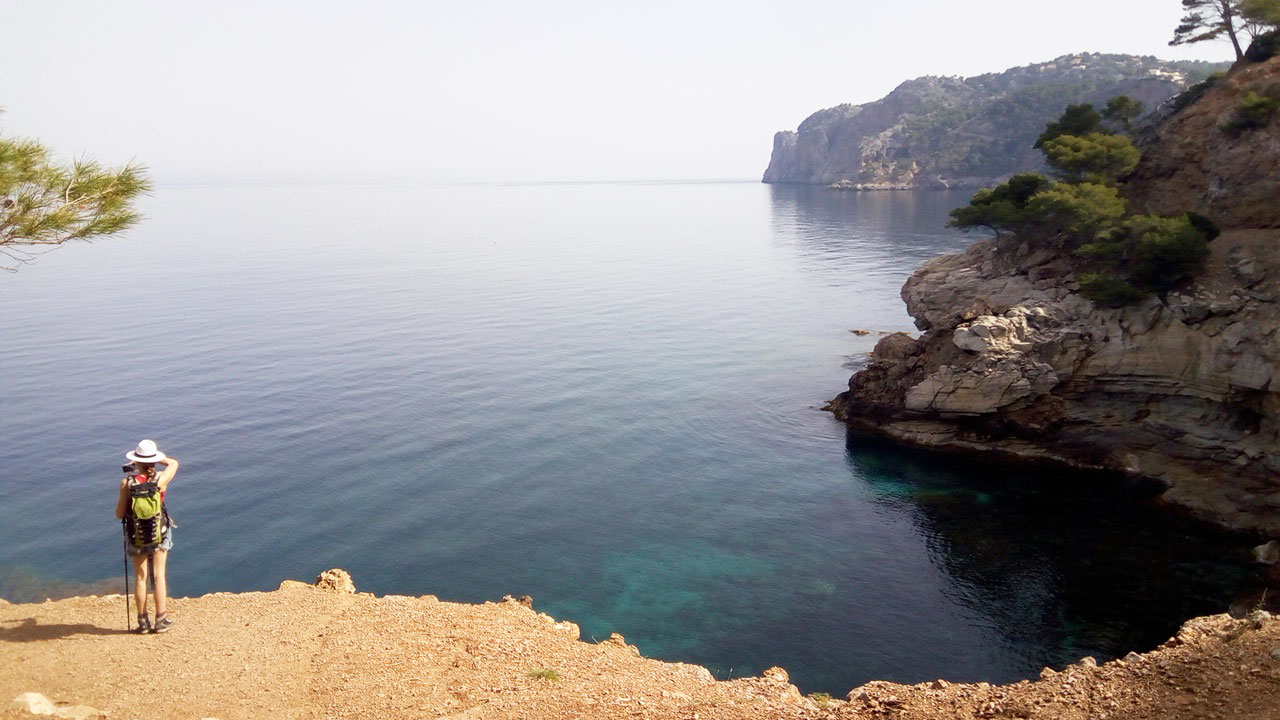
(336, 580)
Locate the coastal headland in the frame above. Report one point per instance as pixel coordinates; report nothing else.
(324, 650)
(1179, 386)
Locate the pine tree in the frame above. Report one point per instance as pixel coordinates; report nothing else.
(44, 204)
(1209, 20)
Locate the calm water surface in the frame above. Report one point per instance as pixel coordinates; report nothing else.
(604, 396)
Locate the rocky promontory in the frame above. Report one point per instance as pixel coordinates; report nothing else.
(327, 651)
(1181, 387)
(940, 132)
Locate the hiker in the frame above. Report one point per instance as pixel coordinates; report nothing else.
(148, 530)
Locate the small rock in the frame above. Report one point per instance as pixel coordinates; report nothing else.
(1132, 657)
(860, 332)
(940, 684)
(777, 675)
(1275, 653)
(34, 703)
(1088, 661)
(336, 580)
(1267, 553)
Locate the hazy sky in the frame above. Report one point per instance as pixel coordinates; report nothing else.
(502, 91)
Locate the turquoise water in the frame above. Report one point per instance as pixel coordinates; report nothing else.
(601, 395)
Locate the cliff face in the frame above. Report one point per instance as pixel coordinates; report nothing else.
(1182, 388)
(936, 132)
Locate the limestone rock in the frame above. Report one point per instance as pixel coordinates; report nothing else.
(1031, 368)
(620, 641)
(34, 703)
(1267, 553)
(336, 580)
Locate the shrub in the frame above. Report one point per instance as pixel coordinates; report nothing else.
(1264, 47)
(1254, 111)
(821, 698)
(1165, 250)
(1146, 253)
(1108, 290)
(1206, 227)
(544, 674)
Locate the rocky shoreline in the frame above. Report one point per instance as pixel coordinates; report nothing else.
(1181, 389)
(326, 651)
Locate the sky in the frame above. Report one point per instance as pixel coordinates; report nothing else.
(490, 91)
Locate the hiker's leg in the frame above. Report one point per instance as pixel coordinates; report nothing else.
(162, 584)
(140, 582)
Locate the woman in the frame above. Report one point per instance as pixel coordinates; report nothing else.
(145, 458)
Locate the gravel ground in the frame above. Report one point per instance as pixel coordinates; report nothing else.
(328, 652)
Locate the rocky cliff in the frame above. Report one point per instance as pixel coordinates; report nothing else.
(1182, 388)
(963, 132)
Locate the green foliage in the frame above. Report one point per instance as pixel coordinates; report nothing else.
(1165, 250)
(1002, 208)
(1264, 47)
(821, 698)
(1121, 111)
(1254, 111)
(1080, 119)
(1096, 157)
(544, 674)
(45, 203)
(1263, 12)
(1123, 257)
(1108, 290)
(1203, 225)
(1082, 211)
(1145, 253)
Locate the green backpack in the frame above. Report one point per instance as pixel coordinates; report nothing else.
(147, 519)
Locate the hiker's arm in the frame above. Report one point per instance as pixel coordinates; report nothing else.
(170, 469)
(123, 502)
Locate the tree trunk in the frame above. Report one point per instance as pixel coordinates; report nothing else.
(1229, 20)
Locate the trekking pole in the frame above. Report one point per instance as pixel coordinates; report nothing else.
(128, 619)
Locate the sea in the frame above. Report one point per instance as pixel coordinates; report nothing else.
(606, 396)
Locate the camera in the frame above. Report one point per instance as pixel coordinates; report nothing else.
(127, 469)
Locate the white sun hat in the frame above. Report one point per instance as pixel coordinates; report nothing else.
(146, 452)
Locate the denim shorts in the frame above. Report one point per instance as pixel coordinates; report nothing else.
(166, 544)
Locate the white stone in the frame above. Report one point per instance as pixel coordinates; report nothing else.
(1267, 553)
(34, 703)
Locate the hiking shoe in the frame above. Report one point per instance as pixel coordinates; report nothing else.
(144, 625)
(163, 623)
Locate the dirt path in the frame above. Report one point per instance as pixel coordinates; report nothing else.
(303, 652)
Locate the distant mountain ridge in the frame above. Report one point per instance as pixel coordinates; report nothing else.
(940, 132)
